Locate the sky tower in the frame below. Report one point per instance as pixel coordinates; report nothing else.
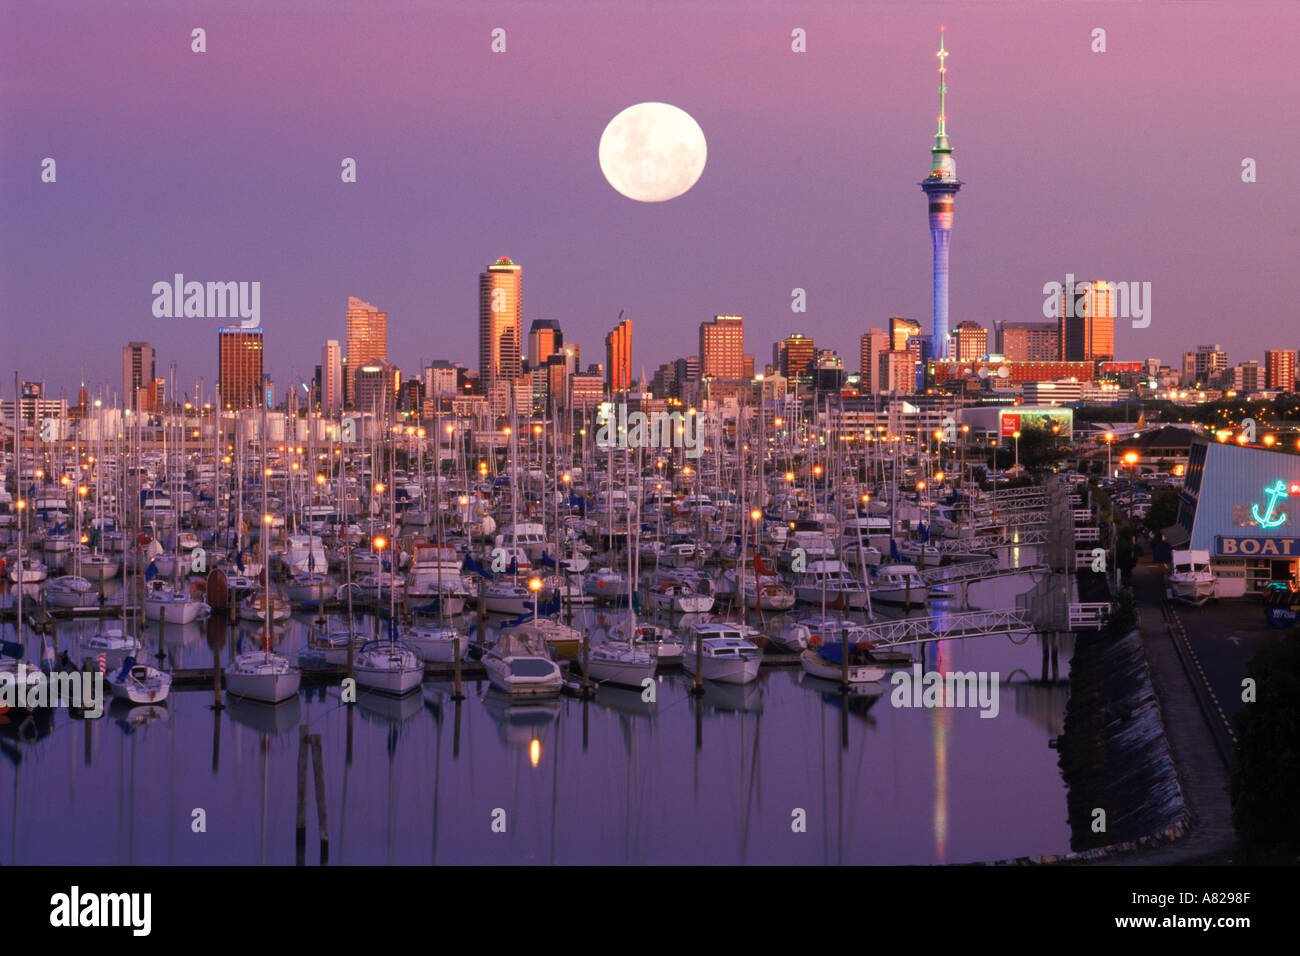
(940, 188)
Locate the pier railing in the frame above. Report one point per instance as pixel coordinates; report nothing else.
(1012, 622)
(1089, 616)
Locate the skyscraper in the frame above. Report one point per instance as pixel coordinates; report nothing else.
(970, 340)
(722, 347)
(331, 378)
(618, 357)
(941, 188)
(138, 371)
(797, 356)
(500, 323)
(1027, 341)
(239, 367)
(1279, 370)
(1087, 322)
(873, 343)
(367, 340)
(544, 340)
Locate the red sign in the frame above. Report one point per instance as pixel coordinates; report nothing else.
(1294, 489)
(1010, 424)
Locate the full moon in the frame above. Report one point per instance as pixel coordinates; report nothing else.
(652, 152)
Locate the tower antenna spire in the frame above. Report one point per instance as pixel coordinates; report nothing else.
(941, 137)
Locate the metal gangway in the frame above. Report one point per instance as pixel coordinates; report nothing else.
(1012, 622)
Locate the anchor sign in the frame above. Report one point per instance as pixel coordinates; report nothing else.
(1267, 519)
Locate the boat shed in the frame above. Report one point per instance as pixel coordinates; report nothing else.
(1242, 504)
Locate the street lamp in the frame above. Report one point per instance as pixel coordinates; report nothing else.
(1016, 436)
(535, 585)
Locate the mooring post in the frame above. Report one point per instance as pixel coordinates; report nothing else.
(322, 821)
(482, 610)
(301, 830)
(458, 695)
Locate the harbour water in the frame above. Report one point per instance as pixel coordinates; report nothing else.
(756, 773)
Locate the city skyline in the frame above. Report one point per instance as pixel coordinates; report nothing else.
(739, 242)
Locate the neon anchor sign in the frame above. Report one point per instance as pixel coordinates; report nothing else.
(1268, 518)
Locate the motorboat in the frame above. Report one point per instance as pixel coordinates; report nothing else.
(436, 643)
(304, 554)
(164, 603)
(679, 595)
(309, 589)
(70, 590)
(724, 653)
(112, 644)
(899, 584)
(1190, 578)
(829, 581)
(519, 665)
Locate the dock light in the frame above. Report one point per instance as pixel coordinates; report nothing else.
(225, 459)
(506, 430)
(817, 470)
(686, 470)
(756, 514)
(21, 504)
(267, 518)
(659, 486)
(537, 429)
(789, 476)
(379, 488)
(451, 429)
(659, 463)
(419, 433)
(778, 422)
(99, 403)
(938, 434)
(320, 479)
(920, 486)
(482, 468)
(464, 500)
(83, 490)
(1131, 458)
(566, 477)
(379, 542)
(1268, 440)
(1222, 436)
(535, 752)
(397, 429)
(1015, 435)
(965, 429)
(1109, 436)
(938, 476)
(294, 466)
(1241, 439)
(534, 584)
(85, 539)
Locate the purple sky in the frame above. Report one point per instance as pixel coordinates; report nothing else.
(225, 166)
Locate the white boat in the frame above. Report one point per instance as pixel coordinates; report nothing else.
(725, 655)
(388, 666)
(70, 591)
(825, 661)
(164, 603)
(530, 536)
(436, 643)
(679, 595)
(605, 586)
(1190, 578)
(111, 643)
(519, 665)
(898, 584)
(304, 554)
(619, 662)
(308, 588)
(435, 578)
(382, 587)
(99, 567)
(506, 597)
(139, 683)
(28, 570)
(656, 639)
(831, 582)
(815, 631)
(253, 608)
(262, 675)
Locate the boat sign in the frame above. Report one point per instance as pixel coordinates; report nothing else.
(1235, 547)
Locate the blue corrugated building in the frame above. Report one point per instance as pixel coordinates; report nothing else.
(1243, 506)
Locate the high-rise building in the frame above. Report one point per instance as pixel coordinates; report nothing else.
(377, 384)
(970, 340)
(367, 340)
(1210, 363)
(941, 188)
(618, 357)
(897, 372)
(829, 372)
(331, 378)
(1279, 366)
(1087, 323)
(239, 367)
(138, 371)
(500, 323)
(440, 378)
(796, 359)
(873, 343)
(1027, 341)
(722, 347)
(1248, 377)
(544, 340)
(902, 331)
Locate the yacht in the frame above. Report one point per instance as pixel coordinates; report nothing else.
(139, 683)
(622, 662)
(388, 666)
(827, 662)
(164, 603)
(264, 676)
(899, 584)
(304, 554)
(70, 590)
(831, 582)
(436, 643)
